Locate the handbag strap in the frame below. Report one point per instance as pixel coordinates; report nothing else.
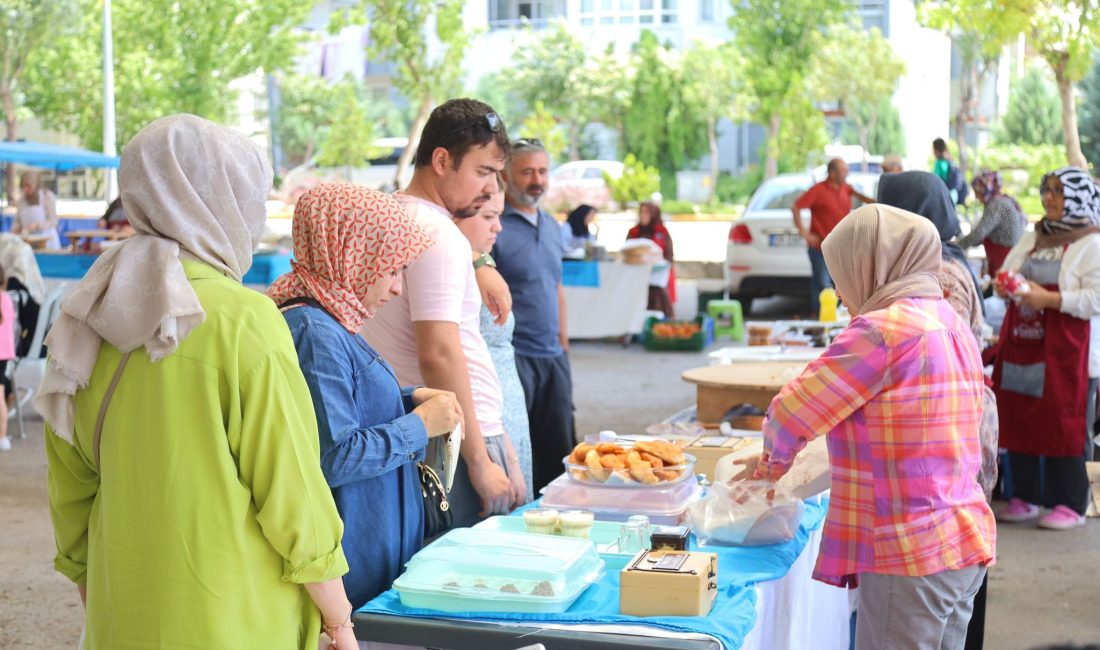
(106, 402)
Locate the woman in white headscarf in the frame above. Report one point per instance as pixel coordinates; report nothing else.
(25, 278)
(187, 500)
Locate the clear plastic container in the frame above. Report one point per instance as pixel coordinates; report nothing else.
(482, 570)
(623, 477)
(604, 534)
(665, 505)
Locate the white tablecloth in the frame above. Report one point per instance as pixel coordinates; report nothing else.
(615, 308)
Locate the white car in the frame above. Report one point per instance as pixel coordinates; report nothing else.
(765, 255)
(581, 181)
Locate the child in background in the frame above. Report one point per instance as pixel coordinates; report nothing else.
(7, 354)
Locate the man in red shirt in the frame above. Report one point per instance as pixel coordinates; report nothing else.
(828, 202)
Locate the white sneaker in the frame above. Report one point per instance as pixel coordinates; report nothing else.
(5, 444)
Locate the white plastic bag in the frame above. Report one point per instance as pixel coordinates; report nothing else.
(745, 513)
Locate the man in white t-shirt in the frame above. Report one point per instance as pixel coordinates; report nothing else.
(430, 334)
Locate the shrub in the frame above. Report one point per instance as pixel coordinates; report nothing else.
(638, 182)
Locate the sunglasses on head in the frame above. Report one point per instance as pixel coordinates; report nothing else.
(491, 120)
(528, 142)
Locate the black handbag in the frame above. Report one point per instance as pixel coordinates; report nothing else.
(437, 510)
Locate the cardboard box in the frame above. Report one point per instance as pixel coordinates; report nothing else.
(669, 583)
(708, 450)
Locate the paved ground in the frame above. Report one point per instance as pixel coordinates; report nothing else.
(1043, 589)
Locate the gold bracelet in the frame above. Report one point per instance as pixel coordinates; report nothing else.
(331, 630)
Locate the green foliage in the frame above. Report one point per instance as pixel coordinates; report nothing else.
(660, 126)
(495, 90)
(552, 67)
(886, 136)
(687, 207)
(738, 189)
(638, 183)
(861, 82)
(26, 28)
(1089, 114)
(350, 138)
(305, 112)
(541, 125)
(802, 136)
(169, 58)
(779, 41)
(1022, 166)
(1034, 112)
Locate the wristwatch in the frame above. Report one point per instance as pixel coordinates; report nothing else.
(485, 260)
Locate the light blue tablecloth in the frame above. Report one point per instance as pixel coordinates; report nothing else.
(265, 268)
(734, 612)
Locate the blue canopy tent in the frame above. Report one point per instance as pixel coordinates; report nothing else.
(62, 159)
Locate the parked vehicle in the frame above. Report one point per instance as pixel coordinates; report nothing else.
(765, 255)
(581, 181)
(377, 174)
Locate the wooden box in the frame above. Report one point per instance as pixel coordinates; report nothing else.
(708, 450)
(669, 583)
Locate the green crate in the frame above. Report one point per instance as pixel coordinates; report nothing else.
(695, 343)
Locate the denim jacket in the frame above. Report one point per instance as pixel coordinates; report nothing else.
(370, 445)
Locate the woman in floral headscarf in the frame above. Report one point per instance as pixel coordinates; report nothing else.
(1002, 223)
(350, 246)
(1050, 342)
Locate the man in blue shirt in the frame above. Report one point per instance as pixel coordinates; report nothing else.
(528, 254)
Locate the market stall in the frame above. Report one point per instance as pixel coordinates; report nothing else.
(605, 299)
(766, 599)
(626, 549)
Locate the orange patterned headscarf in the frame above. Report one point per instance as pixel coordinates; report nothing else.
(346, 238)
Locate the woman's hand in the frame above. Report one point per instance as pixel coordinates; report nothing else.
(441, 413)
(345, 640)
(1039, 298)
(519, 485)
(423, 394)
(494, 293)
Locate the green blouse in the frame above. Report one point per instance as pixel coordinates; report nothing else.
(210, 511)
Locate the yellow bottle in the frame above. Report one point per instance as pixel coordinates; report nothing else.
(828, 301)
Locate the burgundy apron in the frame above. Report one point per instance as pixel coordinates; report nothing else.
(1041, 374)
(995, 255)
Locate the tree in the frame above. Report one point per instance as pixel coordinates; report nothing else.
(552, 67)
(307, 106)
(1063, 32)
(886, 136)
(1090, 113)
(778, 41)
(542, 126)
(857, 81)
(351, 135)
(1033, 112)
(169, 58)
(712, 84)
(426, 42)
(26, 27)
(659, 126)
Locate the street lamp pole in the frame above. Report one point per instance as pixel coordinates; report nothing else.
(109, 147)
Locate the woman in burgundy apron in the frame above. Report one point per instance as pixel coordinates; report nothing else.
(1045, 382)
(1002, 224)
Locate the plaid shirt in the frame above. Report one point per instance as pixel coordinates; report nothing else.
(898, 395)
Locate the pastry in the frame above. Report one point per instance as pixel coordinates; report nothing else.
(595, 468)
(666, 451)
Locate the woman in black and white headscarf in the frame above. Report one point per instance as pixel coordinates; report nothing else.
(1050, 342)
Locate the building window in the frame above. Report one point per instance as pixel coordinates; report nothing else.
(630, 12)
(706, 11)
(511, 13)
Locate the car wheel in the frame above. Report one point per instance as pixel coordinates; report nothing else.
(746, 304)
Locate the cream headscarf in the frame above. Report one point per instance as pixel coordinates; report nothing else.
(18, 261)
(879, 254)
(191, 189)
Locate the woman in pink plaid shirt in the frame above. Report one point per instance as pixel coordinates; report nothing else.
(898, 395)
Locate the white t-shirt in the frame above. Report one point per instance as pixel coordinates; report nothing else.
(439, 286)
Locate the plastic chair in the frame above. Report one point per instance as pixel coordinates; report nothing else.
(48, 313)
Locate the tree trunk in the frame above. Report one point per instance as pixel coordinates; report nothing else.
(712, 138)
(968, 92)
(863, 131)
(414, 138)
(1069, 121)
(10, 124)
(771, 162)
(574, 140)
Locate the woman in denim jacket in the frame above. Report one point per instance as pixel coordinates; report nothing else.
(350, 245)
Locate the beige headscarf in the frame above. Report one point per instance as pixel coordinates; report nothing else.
(191, 189)
(879, 254)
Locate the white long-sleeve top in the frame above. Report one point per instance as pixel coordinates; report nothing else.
(1078, 282)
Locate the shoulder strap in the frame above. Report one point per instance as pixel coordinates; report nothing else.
(106, 402)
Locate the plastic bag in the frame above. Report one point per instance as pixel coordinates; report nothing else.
(745, 513)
